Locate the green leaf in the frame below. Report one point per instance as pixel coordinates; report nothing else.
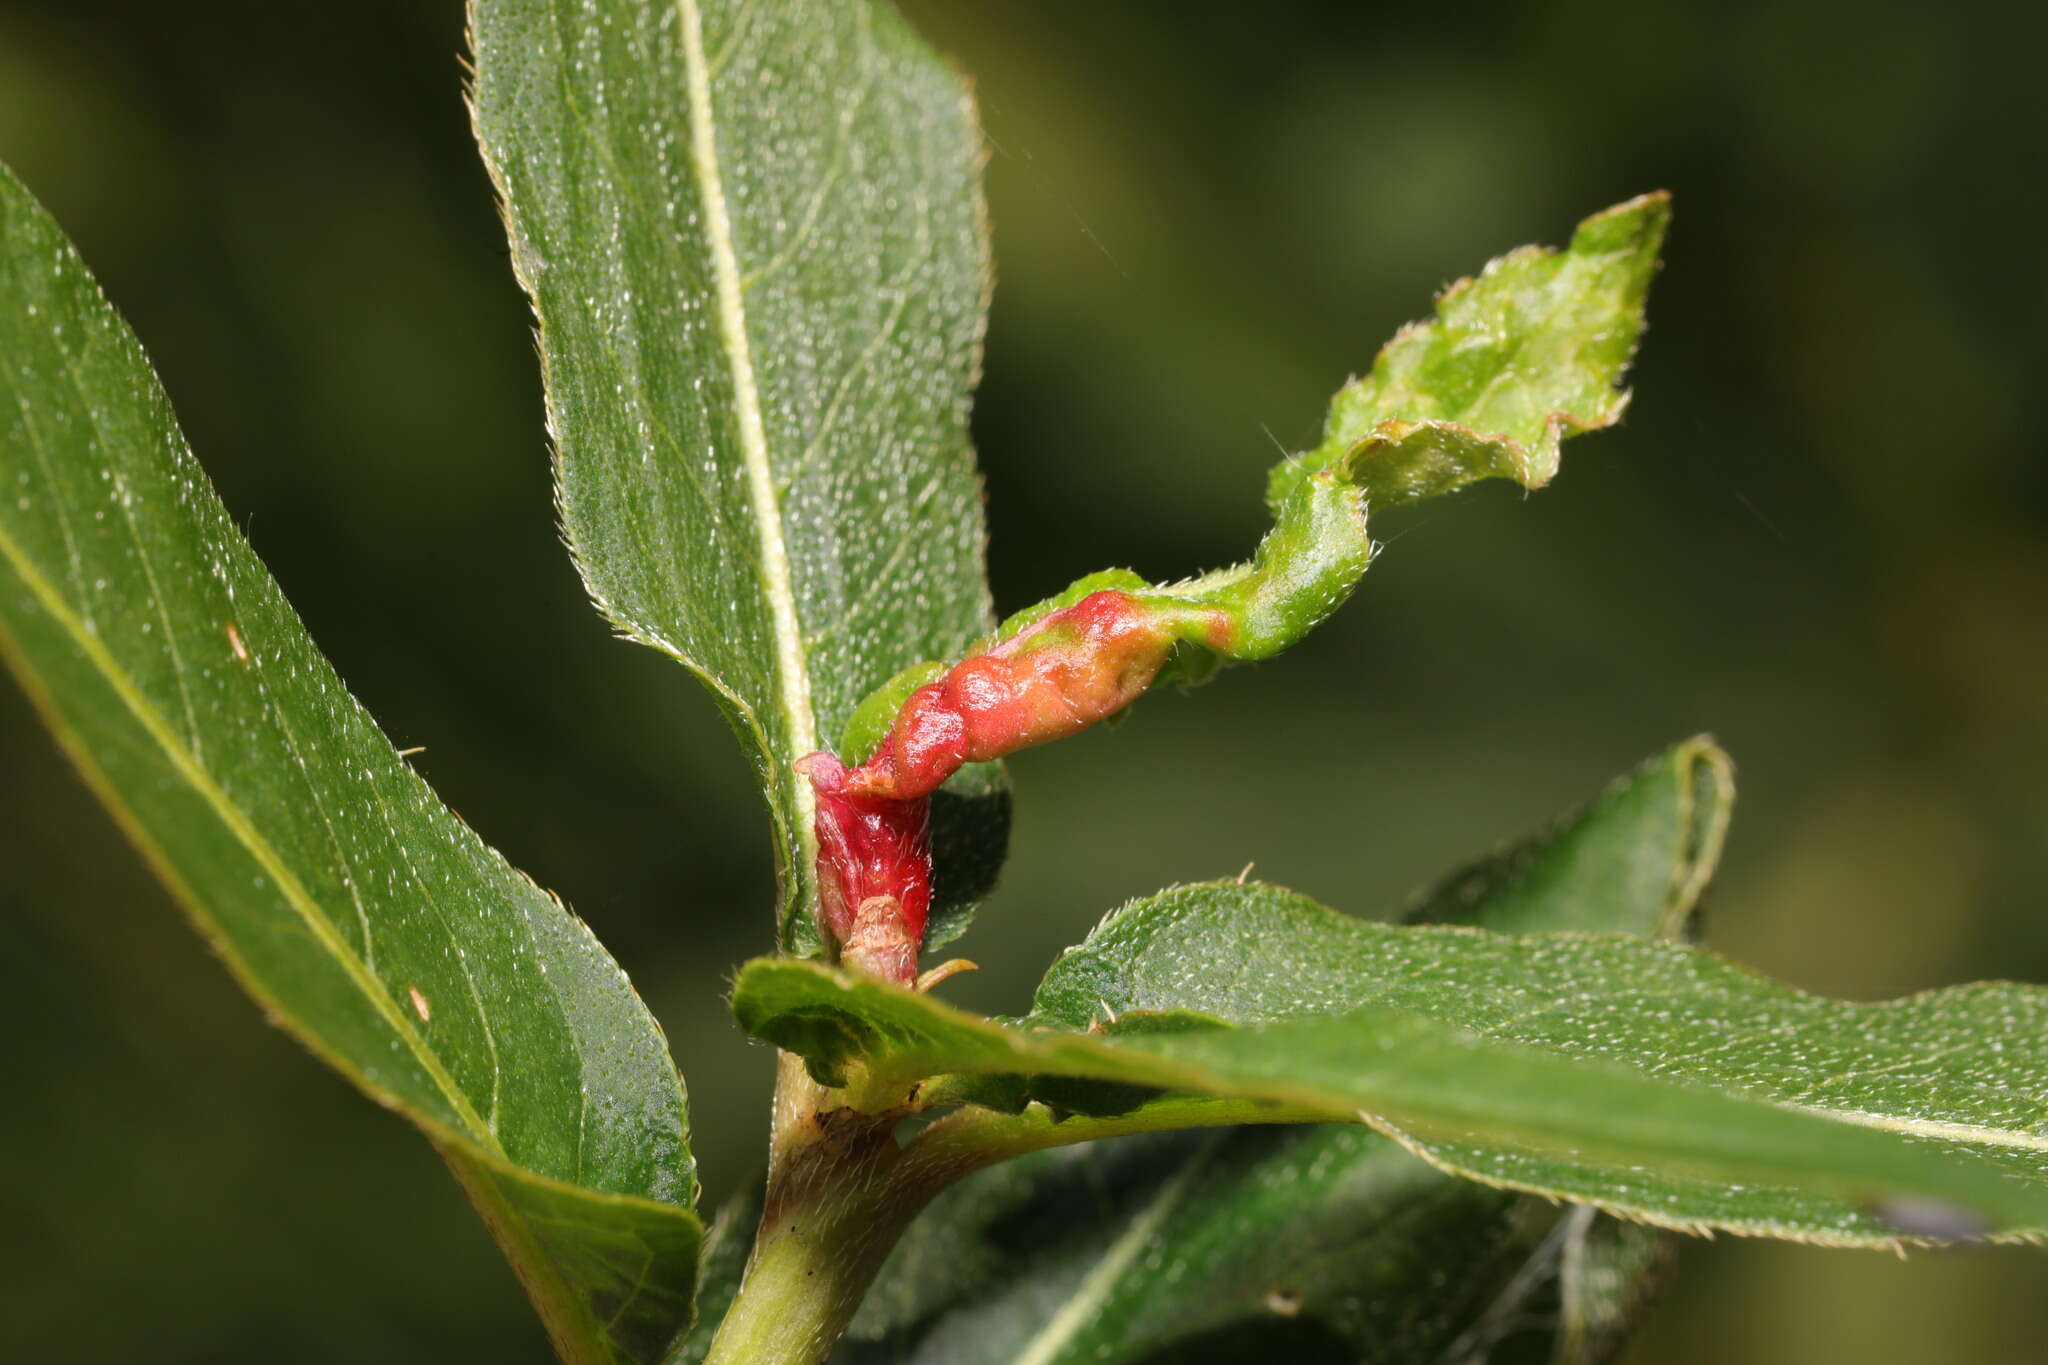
(1320, 1242)
(725, 1265)
(970, 833)
(1633, 862)
(359, 912)
(1636, 861)
(754, 239)
(1653, 1080)
(1317, 1243)
(1517, 359)
(1950, 1068)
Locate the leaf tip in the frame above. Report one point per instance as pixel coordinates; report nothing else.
(1635, 225)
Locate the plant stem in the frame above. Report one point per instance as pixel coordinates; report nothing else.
(841, 1191)
(808, 1272)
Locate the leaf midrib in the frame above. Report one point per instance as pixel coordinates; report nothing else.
(794, 695)
(302, 902)
(1027, 1050)
(1939, 1129)
(1094, 1291)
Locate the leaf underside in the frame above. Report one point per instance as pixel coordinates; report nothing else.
(754, 241)
(358, 910)
(1318, 1243)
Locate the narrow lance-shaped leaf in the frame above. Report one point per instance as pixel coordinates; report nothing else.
(1636, 861)
(1319, 1242)
(1652, 1080)
(361, 914)
(1949, 1071)
(753, 238)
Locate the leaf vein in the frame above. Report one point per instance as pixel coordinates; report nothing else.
(835, 164)
(301, 901)
(795, 691)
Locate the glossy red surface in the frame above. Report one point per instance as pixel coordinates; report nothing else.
(870, 849)
(1076, 666)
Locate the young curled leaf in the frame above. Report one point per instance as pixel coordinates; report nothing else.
(1528, 352)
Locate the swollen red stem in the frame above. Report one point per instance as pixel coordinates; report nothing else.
(1076, 666)
(874, 872)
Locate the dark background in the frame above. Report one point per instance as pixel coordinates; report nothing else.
(1822, 534)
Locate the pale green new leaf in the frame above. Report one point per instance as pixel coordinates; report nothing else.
(1528, 352)
(1521, 357)
(1320, 1242)
(1653, 1080)
(358, 911)
(753, 237)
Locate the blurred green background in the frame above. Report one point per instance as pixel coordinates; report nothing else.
(1822, 534)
